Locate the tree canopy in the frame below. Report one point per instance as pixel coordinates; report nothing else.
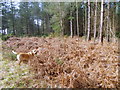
(60, 18)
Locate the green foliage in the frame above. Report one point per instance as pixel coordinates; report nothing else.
(66, 36)
(58, 61)
(5, 37)
(118, 8)
(9, 55)
(13, 74)
(118, 34)
(39, 18)
(45, 35)
(71, 18)
(12, 56)
(52, 35)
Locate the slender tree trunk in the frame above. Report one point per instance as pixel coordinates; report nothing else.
(61, 20)
(101, 24)
(83, 25)
(13, 26)
(22, 31)
(78, 32)
(85, 22)
(95, 20)
(27, 26)
(12, 18)
(38, 27)
(114, 30)
(113, 22)
(108, 38)
(27, 19)
(2, 31)
(88, 33)
(43, 27)
(110, 27)
(48, 23)
(71, 25)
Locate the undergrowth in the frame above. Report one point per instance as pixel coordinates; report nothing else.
(12, 75)
(61, 62)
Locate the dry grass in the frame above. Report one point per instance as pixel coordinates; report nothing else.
(70, 62)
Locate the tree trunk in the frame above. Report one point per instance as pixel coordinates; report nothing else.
(110, 33)
(101, 24)
(47, 23)
(43, 27)
(61, 20)
(78, 32)
(27, 19)
(38, 27)
(95, 21)
(108, 38)
(12, 18)
(114, 30)
(71, 24)
(85, 22)
(88, 34)
(27, 26)
(110, 26)
(2, 31)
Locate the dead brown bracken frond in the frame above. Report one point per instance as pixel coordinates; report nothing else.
(71, 62)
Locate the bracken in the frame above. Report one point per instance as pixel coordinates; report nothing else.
(84, 64)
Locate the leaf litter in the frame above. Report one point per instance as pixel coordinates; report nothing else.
(70, 62)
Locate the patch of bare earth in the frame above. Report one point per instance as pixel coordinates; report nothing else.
(71, 62)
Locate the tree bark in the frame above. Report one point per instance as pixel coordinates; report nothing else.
(61, 20)
(95, 20)
(88, 33)
(101, 24)
(27, 26)
(108, 38)
(85, 22)
(43, 27)
(38, 27)
(114, 29)
(27, 19)
(71, 24)
(78, 32)
(12, 18)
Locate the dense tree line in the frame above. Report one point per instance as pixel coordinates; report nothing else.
(89, 19)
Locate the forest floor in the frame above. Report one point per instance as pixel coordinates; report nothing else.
(60, 63)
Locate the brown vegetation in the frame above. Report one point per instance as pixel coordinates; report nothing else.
(71, 62)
